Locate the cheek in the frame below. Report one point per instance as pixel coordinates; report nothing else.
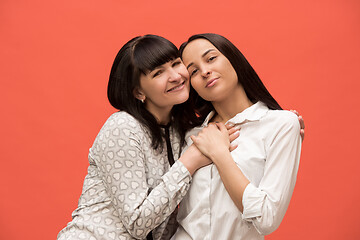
(184, 72)
(231, 71)
(154, 88)
(234, 76)
(195, 83)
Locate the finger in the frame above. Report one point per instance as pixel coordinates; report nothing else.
(194, 139)
(221, 127)
(294, 111)
(302, 134)
(302, 123)
(229, 126)
(232, 147)
(234, 136)
(212, 125)
(232, 130)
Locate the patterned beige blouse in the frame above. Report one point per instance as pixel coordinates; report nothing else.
(130, 188)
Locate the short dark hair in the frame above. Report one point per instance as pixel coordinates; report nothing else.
(138, 56)
(247, 77)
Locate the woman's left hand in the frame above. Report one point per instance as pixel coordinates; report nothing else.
(302, 124)
(213, 140)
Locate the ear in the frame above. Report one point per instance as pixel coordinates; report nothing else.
(139, 94)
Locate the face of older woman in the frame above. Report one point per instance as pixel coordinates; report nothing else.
(164, 87)
(211, 73)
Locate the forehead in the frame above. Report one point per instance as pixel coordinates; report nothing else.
(195, 49)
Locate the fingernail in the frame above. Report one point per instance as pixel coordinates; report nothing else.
(237, 127)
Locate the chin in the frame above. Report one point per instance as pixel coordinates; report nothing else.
(207, 97)
(182, 99)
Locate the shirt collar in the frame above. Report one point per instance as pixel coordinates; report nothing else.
(253, 113)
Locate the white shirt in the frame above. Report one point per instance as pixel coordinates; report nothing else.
(268, 154)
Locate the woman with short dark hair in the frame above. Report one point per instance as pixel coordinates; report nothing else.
(134, 182)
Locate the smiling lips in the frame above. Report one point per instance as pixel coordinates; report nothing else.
(211, 82)
(177, 88)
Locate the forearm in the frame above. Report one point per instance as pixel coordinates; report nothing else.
(189, 163)
(232, 177)
(160, 203)
(141, 213)
(193, 159)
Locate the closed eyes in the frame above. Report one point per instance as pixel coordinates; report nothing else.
(176, 63)
(157, 73)
(211, 58)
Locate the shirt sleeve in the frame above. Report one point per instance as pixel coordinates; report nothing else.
(122, 166)
(265, 206)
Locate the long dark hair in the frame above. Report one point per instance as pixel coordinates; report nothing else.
(139, 56)
(247, 77)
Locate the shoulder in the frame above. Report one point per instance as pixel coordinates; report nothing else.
(121, 125)
(281, 119)
(122, 120)
(118, 132)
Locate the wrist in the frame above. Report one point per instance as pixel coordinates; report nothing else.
(188, 159)
(218, 153)
(190, 166)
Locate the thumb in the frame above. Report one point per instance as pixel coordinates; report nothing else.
(194, 139)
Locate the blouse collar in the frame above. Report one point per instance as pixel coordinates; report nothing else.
(253, 113)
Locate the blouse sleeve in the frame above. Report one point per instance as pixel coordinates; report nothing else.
(265, 205)
(120, 160)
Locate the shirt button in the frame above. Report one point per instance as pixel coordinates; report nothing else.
(206, 211)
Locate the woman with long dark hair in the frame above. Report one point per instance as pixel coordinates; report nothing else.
(134, 182)
(245, 193)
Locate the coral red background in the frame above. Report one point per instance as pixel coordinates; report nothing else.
(56, 58)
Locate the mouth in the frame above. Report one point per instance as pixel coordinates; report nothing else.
(211, 82)
(177, 87)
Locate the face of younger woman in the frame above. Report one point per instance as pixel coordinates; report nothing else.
(211, 73)
(164, 87)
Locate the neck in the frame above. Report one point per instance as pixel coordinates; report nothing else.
(232, 105)
(162, 116)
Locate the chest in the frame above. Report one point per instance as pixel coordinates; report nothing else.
(250, 155)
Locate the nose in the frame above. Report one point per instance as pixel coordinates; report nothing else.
(174, 76)
(205, 72)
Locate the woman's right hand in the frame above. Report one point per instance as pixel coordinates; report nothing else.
(234, 133)
(193, 159)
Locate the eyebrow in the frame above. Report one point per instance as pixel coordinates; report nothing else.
(161, 66)
(156, 68)
(206, 52)
(203, 55)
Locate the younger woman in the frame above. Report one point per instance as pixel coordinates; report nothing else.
(245, 193)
